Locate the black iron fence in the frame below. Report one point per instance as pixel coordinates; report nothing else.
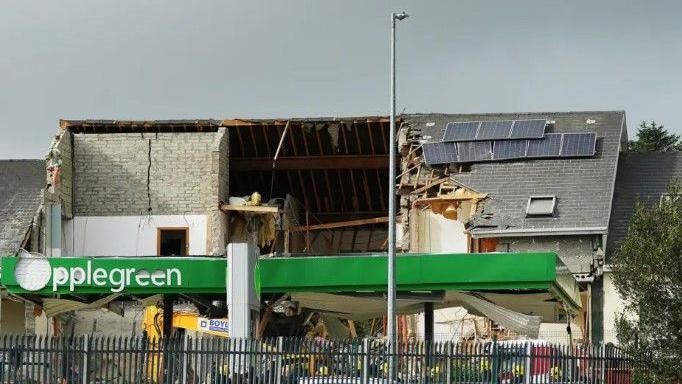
(103, 360)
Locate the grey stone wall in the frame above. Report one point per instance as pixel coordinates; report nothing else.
(575, 251)
(217, 220)
(188, 174)
(111, 173)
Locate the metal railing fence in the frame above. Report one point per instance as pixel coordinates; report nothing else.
(187, 360)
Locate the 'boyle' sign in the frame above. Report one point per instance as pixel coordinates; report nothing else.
(101, 275)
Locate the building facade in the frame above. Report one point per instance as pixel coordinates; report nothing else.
(147, 188)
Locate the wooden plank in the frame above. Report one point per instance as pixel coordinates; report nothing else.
(253, 139)
(356, 201)
(261, 209)
(351, 326)
(430, 185)
(313, 182)
(241, 141)
(368, 193)
(380, 184)
(340, 224)
(448, 199)
(263, 323)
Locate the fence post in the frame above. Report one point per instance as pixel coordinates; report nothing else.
(527, 365)
(603, 363)
(184, 359)
(86, 354)
(448, 361)
(494, 364)
(365, 361)
(278, 360)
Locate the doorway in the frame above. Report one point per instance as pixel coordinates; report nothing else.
(172, 241)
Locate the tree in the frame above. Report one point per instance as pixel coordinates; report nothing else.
(652, 137)
(648, 276)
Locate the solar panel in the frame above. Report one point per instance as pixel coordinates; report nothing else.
(579, 144)
(509, 149)
(470, 151)
(491, 130)
(548, 146)
(439, 153)
(528, 129)
(461, 131)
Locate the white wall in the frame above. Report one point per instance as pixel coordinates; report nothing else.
(613, 306)
(128, 235)
(437, 234)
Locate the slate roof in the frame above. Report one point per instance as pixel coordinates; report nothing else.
(641, 177)
(21, 182)
(583, 186)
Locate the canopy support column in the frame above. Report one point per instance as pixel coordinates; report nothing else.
(428, 322)
(167, 315)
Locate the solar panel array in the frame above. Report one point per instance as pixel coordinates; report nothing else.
(578, 144)
(491, 130)
(473, 151)
(528, 129)
(494, 130)
(510, 149)
(440, 153)
(549, 145)
(461, 131)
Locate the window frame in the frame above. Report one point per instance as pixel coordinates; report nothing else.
(158, 238)
(541, 197)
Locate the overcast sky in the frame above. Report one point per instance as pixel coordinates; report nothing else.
(217, 59)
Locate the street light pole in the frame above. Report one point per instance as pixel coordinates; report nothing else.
(391, 310)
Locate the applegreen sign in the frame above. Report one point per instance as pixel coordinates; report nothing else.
(139, 275)
(334, 273)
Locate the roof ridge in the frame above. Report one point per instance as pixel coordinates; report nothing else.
(515, 113)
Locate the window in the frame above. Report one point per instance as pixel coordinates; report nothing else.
(541, 206)
(172, 241)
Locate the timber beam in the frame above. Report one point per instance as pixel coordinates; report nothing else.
(339, 224)
(309, 162)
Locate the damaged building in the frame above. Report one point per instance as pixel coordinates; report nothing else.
(540, 181)
(532, 182)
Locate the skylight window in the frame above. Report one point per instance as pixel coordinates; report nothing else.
(541, 205)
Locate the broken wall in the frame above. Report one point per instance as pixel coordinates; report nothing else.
(216, 219)
(434, 233)
(62, 191)
(145, 174)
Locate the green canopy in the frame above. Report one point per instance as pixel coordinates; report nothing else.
(485, 273)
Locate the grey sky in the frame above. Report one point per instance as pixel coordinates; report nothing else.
(213, 59)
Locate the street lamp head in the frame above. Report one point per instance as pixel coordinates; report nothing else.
(400, 16)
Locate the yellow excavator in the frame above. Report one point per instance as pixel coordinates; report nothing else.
(152, 323)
